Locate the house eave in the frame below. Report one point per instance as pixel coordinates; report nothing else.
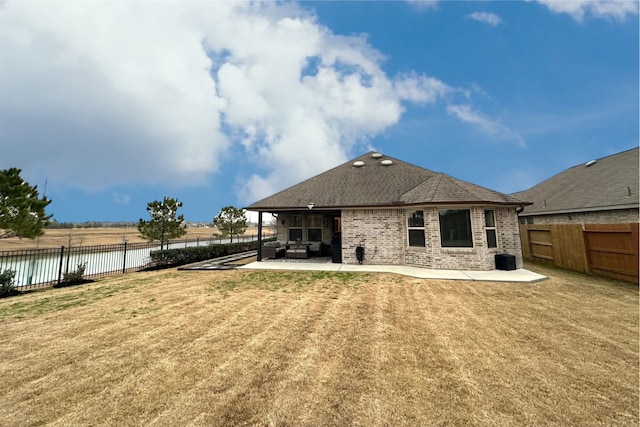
(580, 210)
(386, 205)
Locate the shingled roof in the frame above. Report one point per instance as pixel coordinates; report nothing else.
(608, 183)
(373, 180)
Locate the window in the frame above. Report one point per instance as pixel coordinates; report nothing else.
(295, 227)
(455, 228)
(490, 227)
(295, 234)
(415, 224)
(314, 228)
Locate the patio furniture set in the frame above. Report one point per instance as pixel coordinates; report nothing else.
(297, 249)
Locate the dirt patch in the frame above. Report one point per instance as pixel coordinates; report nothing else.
(315, 348)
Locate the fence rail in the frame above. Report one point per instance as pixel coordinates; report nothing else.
(37, 267)
(608, 250)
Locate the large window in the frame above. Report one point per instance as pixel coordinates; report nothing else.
(295, 227)
(415, 224)
(455, 228)
(314, 228)
(490, 227)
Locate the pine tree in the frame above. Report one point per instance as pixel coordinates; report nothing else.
(22, 211)
(164, 224)
(231, 221)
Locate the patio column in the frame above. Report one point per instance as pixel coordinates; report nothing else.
(259, 257)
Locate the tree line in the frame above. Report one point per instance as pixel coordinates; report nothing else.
(23, 214)
(55, 225)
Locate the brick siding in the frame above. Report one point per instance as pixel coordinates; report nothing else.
(383, 235)
(619, 216)
(379, 231)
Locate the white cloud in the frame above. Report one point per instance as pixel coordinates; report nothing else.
(113, 93)
(121, 199)
(578, 9)
(420, 88)
(486, 17)
(490, 127)
(424, 4)
(95, 95)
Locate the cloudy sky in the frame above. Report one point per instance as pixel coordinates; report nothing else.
(116, 104)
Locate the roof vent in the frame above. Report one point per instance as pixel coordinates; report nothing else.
(590, 162)
(358, 164)
(376, 155)
(386, 162)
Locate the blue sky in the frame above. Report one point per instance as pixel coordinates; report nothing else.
(114, 105)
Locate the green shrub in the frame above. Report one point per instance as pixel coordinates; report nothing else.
(7, 283)
(182, 256)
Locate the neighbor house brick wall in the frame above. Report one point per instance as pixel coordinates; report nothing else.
(379, 231)
(618, 216)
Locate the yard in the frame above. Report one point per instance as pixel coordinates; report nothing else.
(225, 348)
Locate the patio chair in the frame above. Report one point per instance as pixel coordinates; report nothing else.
(273, 250)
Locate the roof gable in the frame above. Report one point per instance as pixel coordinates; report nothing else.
(608, 183)
(372, 180)
(445, 189)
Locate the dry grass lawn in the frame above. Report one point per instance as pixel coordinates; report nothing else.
(225, 348)
(54, 238)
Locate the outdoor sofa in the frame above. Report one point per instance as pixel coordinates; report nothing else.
(273, 250)
(303, 249)
(297, 249)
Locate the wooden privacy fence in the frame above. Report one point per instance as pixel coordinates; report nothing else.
(608, 250)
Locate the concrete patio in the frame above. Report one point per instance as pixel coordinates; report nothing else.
(325, 264)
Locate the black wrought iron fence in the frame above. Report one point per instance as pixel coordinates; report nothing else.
(35, 267)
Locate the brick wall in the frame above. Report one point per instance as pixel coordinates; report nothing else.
(383, 234)
(378, 231)
(508, 234)
(620, 216)
(479, 257)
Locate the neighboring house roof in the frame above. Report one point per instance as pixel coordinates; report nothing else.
(609, 183)
(370, 181)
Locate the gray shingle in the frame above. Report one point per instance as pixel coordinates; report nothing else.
(377, 185)
(609, 183)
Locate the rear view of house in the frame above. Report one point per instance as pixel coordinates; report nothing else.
(376, 209)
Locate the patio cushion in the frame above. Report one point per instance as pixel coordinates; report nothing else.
(298, 252)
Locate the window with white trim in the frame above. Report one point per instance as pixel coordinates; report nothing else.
(490, 228)
(415, 225)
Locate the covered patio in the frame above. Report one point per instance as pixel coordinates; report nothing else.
(303, 234)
